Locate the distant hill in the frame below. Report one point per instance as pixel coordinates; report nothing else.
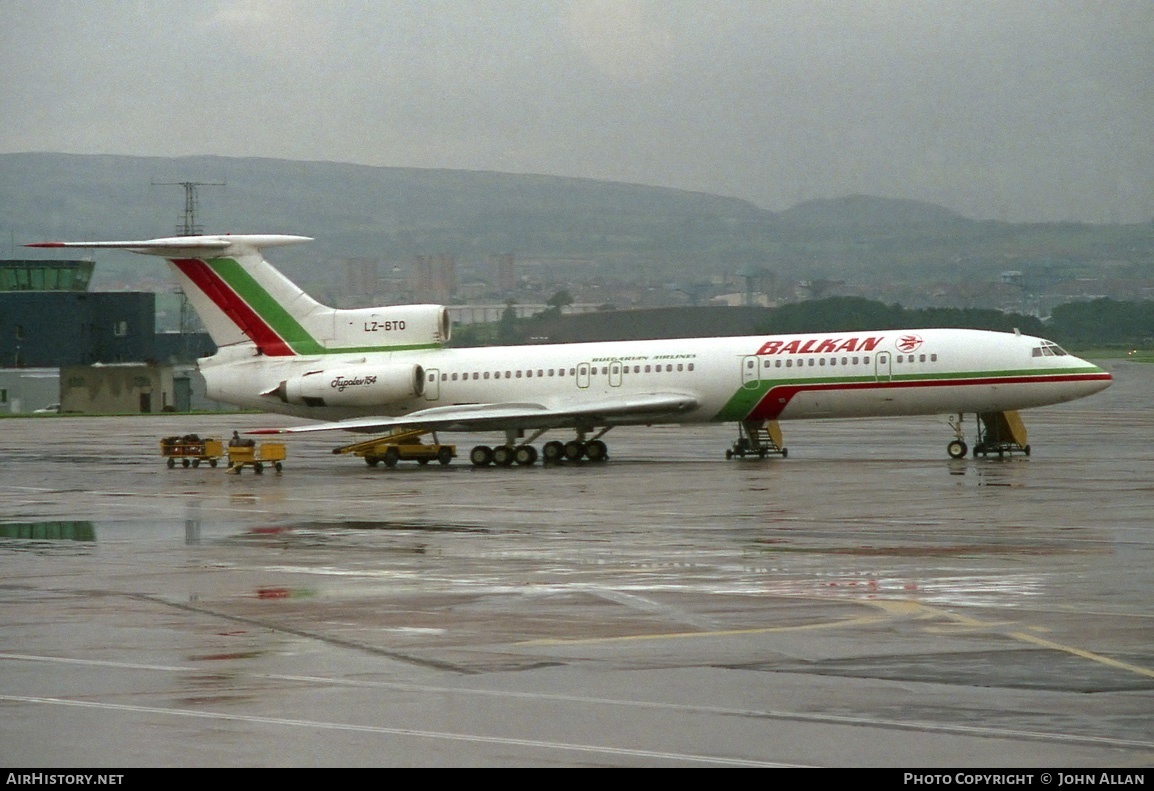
(354, 210)
(581, 228)
(864, 211)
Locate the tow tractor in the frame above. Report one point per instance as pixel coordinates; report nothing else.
(400, 446)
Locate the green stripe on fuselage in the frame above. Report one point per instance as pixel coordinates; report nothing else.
(742, 402)
(745, 399)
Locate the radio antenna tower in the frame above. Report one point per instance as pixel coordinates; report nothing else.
(188, 225)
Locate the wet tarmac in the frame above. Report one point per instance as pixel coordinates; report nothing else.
(865, 602)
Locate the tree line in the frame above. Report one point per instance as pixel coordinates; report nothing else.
(1099, 322)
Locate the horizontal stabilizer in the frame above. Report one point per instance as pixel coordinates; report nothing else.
(189, 246)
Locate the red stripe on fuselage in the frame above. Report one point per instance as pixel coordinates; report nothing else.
(777, 399)
(252, 325)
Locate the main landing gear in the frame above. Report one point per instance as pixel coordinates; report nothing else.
(553, 452)
(1002, 433)
(758, 438)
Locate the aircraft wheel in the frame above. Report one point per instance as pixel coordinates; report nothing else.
(444, 456)
(957, 449)
(503, 455)
(481, 456)
(574, 450)
(525, 455)
(392, 456)
(553, 452)
(596, 451)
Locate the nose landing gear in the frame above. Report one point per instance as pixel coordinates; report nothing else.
(1002, 433)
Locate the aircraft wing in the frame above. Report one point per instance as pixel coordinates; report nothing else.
(498, 417)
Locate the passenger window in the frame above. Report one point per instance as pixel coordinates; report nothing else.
(691, 366)
(933, 358)
(454, 377)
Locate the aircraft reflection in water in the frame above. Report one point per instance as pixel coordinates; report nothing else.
(388, 369)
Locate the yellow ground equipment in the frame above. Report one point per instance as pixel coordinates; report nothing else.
(1001, 433)
(256, 455)
(191, 450)
(998, 432)
(400, 446)
(759, 438)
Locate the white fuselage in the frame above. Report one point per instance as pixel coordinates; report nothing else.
(824, 375)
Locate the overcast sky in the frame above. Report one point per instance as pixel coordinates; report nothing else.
(1008, 109)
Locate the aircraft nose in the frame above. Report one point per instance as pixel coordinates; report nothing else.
(1097, 378)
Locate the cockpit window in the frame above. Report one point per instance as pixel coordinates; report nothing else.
(1049, 349)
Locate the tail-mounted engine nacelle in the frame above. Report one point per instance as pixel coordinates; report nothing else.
(363, 385)
(392, 327)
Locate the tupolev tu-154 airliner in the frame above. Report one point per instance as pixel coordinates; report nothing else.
(388, 369)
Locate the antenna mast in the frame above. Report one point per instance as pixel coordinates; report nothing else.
(188, 226)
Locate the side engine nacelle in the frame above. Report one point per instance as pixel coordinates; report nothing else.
(360, 385)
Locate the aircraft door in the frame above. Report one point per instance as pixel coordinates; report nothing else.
(883, 372)
(615, 374)
(583, 375)
(432, 384)
(750, 371)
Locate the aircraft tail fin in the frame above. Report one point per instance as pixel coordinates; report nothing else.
(240, 297)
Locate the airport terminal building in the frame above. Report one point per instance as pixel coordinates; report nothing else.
(105, 341)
